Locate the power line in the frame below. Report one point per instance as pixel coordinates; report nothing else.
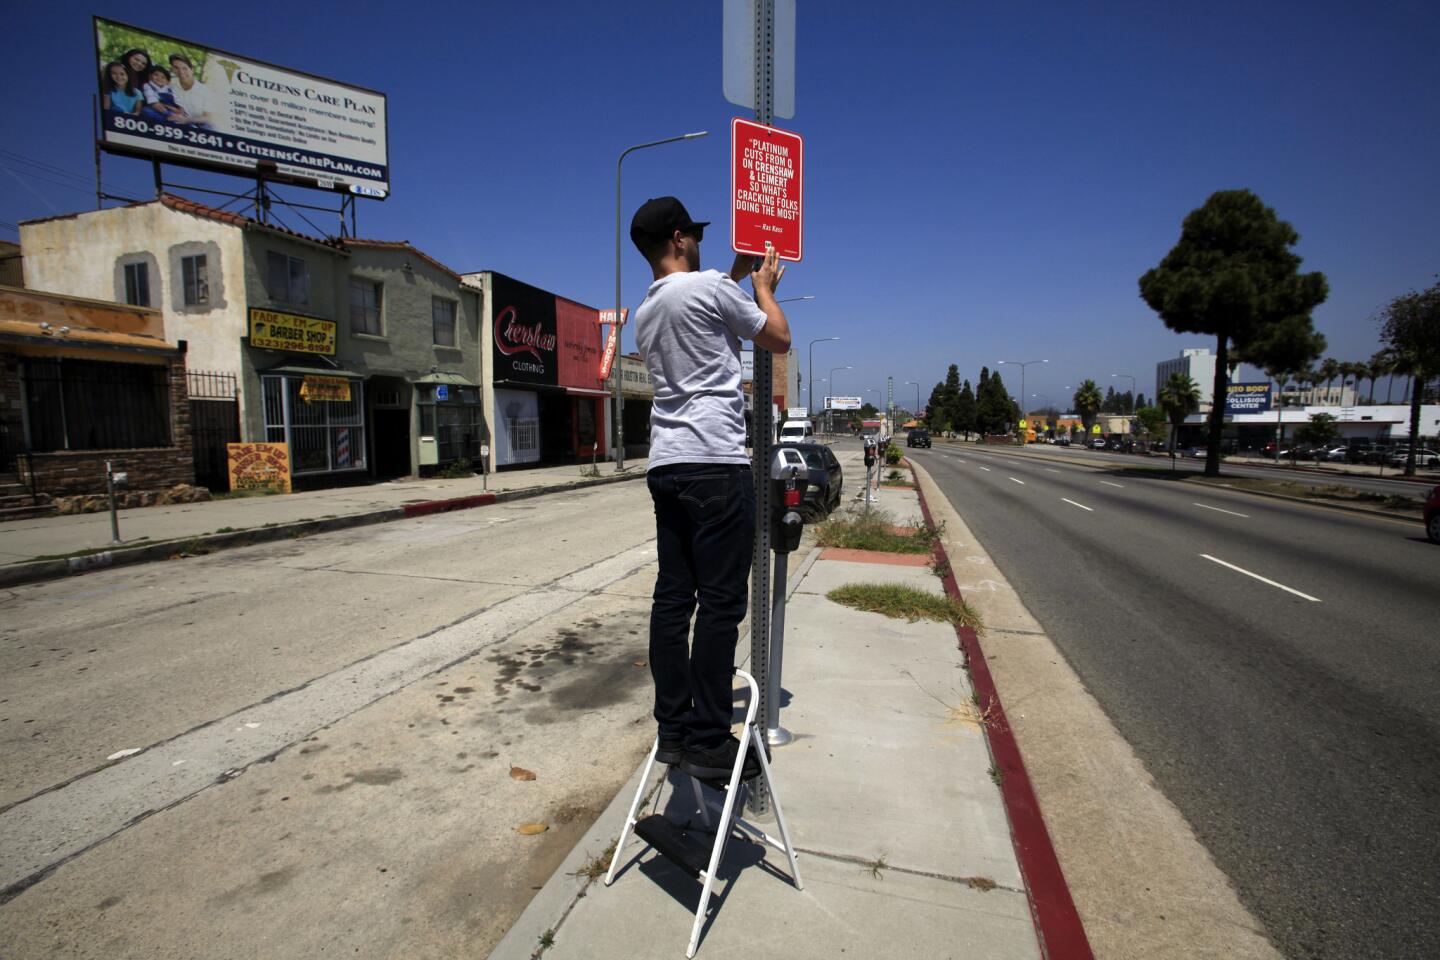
(51, 168)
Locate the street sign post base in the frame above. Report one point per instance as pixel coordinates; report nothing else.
(778, 737)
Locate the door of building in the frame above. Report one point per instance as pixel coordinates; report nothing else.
(392, 442)
(214, 423)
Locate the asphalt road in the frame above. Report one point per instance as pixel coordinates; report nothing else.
(1391, 483)
(305, 746)
(1274, 666)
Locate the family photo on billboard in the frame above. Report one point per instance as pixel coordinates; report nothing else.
(156, 78)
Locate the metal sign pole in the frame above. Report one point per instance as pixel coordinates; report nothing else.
(763, 389)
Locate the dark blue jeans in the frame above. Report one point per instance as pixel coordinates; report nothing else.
(705, 533)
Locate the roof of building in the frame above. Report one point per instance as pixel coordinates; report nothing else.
(39, 318)
(197, 209)
(405, 245)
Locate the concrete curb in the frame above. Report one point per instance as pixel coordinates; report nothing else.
(1057, 922)
(14, 574)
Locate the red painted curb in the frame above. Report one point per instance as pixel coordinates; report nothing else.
(441, 506)
(1057, 922)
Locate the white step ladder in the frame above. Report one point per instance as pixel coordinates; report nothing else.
(682, 848)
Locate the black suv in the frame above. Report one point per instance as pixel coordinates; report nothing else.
(919, 437)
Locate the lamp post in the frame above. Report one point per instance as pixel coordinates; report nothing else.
(1022, 364)
(619, 361)
(833, 391)
(916, 414)
(811, 372)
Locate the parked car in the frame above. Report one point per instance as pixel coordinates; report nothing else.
(826, 477)
(1432, 516)
(1063, 440)
(1338, 454)
(918, 437)
(796, 431)
(1423, 457)
(1096, 443)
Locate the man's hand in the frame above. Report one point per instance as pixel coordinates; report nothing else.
(767, 277)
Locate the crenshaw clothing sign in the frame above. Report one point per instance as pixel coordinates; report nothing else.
(524, 333)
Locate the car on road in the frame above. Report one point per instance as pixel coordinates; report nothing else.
(796, 431)
(1096, 443)
(1423, 458)
(919, 437)
(822, 496)
(1432, 516)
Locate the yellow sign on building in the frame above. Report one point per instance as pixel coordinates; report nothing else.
(259, 466)
(272, 330)
(316, 387)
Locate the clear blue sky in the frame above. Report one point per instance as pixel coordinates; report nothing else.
(983, 181)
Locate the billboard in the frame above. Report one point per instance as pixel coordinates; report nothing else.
(178, 102)
(842, 403)
(1247, 398)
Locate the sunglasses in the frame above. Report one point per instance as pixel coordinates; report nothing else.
(697, 231)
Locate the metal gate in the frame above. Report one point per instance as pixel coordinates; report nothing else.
(214, 422)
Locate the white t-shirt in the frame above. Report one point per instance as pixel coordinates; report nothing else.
(688, 329)
(196, 101)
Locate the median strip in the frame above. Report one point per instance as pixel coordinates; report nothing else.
(1260, 578)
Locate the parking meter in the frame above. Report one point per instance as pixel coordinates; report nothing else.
(789, 478)
(872, 450)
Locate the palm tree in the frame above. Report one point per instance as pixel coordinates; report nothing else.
(1179, 397)
(1087, 402)
(1355, 372)
(1329, 370)
(1379, 366)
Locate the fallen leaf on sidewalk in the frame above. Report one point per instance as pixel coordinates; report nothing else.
(530, 829)
(639, 663)
(520, 773)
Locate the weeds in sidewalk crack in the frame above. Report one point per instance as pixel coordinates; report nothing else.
(874, 867)
(997, 776)
(595, 868)
(970, 713)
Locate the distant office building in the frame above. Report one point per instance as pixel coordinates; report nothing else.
(1198, 363)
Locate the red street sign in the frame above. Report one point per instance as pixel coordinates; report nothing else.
(608, 357)
(765, 189)
(608, 316)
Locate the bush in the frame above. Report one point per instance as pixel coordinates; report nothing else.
(892, 454)
(458, 470)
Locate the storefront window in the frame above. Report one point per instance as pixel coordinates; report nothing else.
(325, 436)
(457, 423)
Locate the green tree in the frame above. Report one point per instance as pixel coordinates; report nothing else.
(1087, 403)
(1410, 330)
(1151, 421)
(1320, 431)
(935, 416)
(1379, 366)
(965, 411)
(1329, 370)
(1232, 275)
(952, 395)
(1179, 397)
(1285, 351)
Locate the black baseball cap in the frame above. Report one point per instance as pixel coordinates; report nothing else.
(657, 219)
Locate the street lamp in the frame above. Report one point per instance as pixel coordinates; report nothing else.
(811, 372)
(917, 397)
(617, 362)
(833, 391)
(1132, 387)
(1022, 364)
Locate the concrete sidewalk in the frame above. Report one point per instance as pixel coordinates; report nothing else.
(82, 541)
(905, 846)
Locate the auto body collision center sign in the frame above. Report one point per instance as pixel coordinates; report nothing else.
(1247, 398)
(765, 190)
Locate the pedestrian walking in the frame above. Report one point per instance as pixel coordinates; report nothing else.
(689, 329)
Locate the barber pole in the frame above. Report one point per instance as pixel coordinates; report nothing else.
(342, 447)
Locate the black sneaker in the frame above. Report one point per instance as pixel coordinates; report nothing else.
(718, 762)
(670, 751)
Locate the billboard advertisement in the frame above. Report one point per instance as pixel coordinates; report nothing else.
(1247, 398)
(175, 101)
(843, 403)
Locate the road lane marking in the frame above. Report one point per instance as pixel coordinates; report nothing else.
(1051, 470)
(1021, 482)
(1109, 484)
(1206, 506)
(1074, 504)
(1260, 578)
(956, 459)
(986, 469)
